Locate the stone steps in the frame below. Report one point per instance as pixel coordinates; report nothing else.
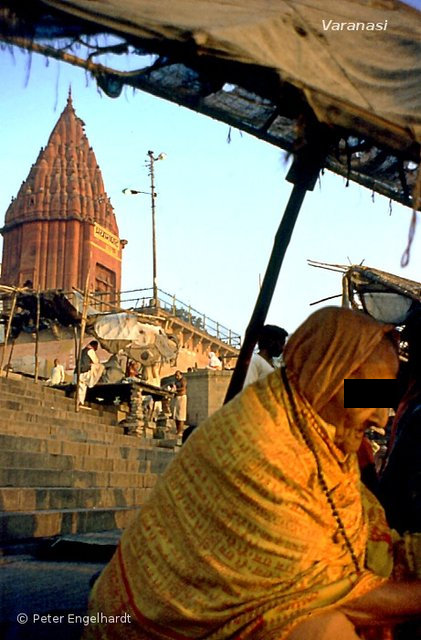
(54, 522)
(10, 459)
(17, 477)
(123, 447)
(21, 391)
(74, 431)
(141, 461)
(36, 412)
(43, 498)
(63, 472)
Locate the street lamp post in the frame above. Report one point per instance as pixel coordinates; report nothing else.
(150, 162)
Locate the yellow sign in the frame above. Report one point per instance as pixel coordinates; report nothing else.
(111, 241)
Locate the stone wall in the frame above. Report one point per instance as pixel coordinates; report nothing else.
(206, 391)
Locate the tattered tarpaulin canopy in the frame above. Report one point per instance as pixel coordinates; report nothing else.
(54, 306)
(263, 66)
(122, 332)
(384, 296)
(65, 309)
(336, 82)
(128, 333)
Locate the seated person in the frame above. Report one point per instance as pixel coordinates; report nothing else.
(57, 374)
(258, 529)
(214, 362)
(113, 373)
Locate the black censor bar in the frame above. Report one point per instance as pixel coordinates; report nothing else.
(377, 394)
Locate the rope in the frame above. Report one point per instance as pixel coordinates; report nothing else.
(407, 253)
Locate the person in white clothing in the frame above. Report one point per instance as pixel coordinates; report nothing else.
(90, 369)
(270, 343)
(57, 374)
(214, 362)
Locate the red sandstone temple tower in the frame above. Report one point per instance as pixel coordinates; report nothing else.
(61, 224)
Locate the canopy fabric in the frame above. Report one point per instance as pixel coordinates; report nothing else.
(384, 296)
(371, 74)
(368, 279)
(127, 333)
(264, 65)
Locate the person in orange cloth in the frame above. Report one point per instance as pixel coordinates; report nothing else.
(259, 529)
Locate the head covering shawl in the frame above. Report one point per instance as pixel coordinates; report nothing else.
(331, 344)
(238, 538)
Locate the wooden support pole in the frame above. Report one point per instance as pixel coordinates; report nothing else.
(76, 348)
(38, 313)
(8, 327)
(9, 360)
(81, 337)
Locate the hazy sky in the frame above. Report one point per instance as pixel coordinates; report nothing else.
(218, 206)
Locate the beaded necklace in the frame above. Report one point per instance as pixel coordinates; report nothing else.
(320, 476)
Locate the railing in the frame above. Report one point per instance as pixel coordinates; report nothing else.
(142, 301)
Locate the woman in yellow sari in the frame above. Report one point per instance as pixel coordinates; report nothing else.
(257, 530)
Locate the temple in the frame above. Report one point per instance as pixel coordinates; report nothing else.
(60, 231)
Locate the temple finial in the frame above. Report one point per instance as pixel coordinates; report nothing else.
(69, 95)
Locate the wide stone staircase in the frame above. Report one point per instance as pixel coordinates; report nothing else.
(63, 472)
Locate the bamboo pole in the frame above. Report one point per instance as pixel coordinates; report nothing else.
(337, 295)
(38, 313)
(9, 360)
(81, 337)
(76, 351)
(8, 328)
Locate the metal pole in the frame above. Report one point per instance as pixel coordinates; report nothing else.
(153, 196)
(303, 173)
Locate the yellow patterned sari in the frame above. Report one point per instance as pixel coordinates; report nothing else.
(244, 548)
(238, 539)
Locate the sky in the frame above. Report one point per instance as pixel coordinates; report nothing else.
(218, 206)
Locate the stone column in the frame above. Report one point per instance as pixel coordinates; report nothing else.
(135, 421)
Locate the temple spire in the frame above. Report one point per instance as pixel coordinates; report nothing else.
(61, 221)
(65, 181)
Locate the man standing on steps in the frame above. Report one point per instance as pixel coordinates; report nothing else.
(180, 407)
(271, 344)
(90, 369)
